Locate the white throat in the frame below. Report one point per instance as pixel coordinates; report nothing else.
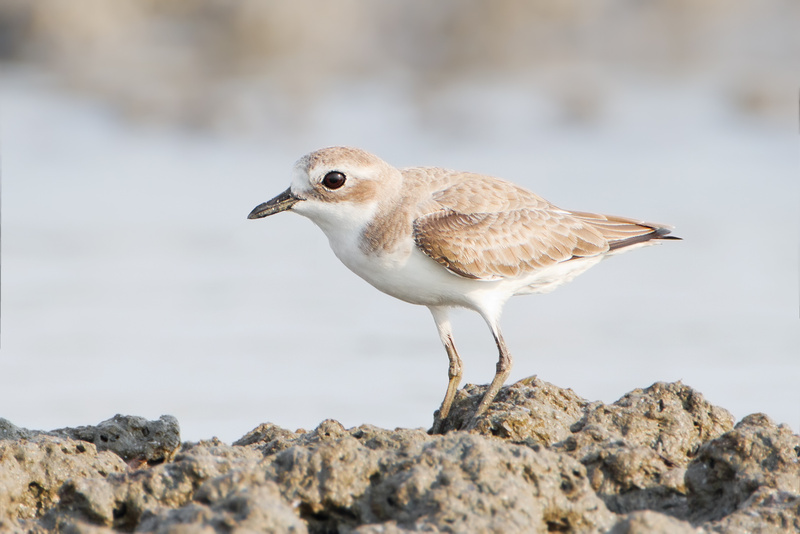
(342, 222)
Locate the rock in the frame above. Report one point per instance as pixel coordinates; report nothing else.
(659, 460)
(9, 431)
(766, 511)
(636, 450)
(647, 522)
(751, 471)
(124, 501)
(34, 469)
(671, 419)
(530, 409)
(250, 504)
(484, 485)
(419, 481)
(132, 438)
(267, 436)
(326, 476)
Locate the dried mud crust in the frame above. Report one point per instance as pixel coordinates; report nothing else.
(542, 459)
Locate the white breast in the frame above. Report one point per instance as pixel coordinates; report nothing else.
(408, 274)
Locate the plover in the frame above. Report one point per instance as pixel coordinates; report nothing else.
(443, 238)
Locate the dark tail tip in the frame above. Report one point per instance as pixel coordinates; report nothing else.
(660, 233)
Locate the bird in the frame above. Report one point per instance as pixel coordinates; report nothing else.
(445, 239)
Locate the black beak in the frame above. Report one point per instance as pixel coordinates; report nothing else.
(282, 202)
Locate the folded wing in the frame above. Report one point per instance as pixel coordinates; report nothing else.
(484, 228)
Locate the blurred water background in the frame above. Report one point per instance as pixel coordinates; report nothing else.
(137, 135)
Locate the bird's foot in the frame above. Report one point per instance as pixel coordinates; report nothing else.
(438, 424)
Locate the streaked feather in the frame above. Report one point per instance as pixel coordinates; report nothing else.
(484, 228)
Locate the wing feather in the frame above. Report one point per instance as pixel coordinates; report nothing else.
(486, 228)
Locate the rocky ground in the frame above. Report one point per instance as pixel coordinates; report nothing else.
(542, 459)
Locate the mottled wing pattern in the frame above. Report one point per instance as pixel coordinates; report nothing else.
(485, 228)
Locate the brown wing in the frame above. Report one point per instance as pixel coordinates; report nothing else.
(486, 228)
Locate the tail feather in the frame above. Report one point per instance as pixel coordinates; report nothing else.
(622, 232)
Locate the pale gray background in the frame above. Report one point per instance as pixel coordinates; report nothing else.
(135, 140)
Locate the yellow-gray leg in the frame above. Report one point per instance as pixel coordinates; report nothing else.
(503, 369)
(454, 371)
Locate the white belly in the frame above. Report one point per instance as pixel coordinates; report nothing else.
(409, 275)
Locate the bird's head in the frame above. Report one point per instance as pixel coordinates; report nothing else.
(335, 187)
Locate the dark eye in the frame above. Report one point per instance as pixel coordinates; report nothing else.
(334, 180)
